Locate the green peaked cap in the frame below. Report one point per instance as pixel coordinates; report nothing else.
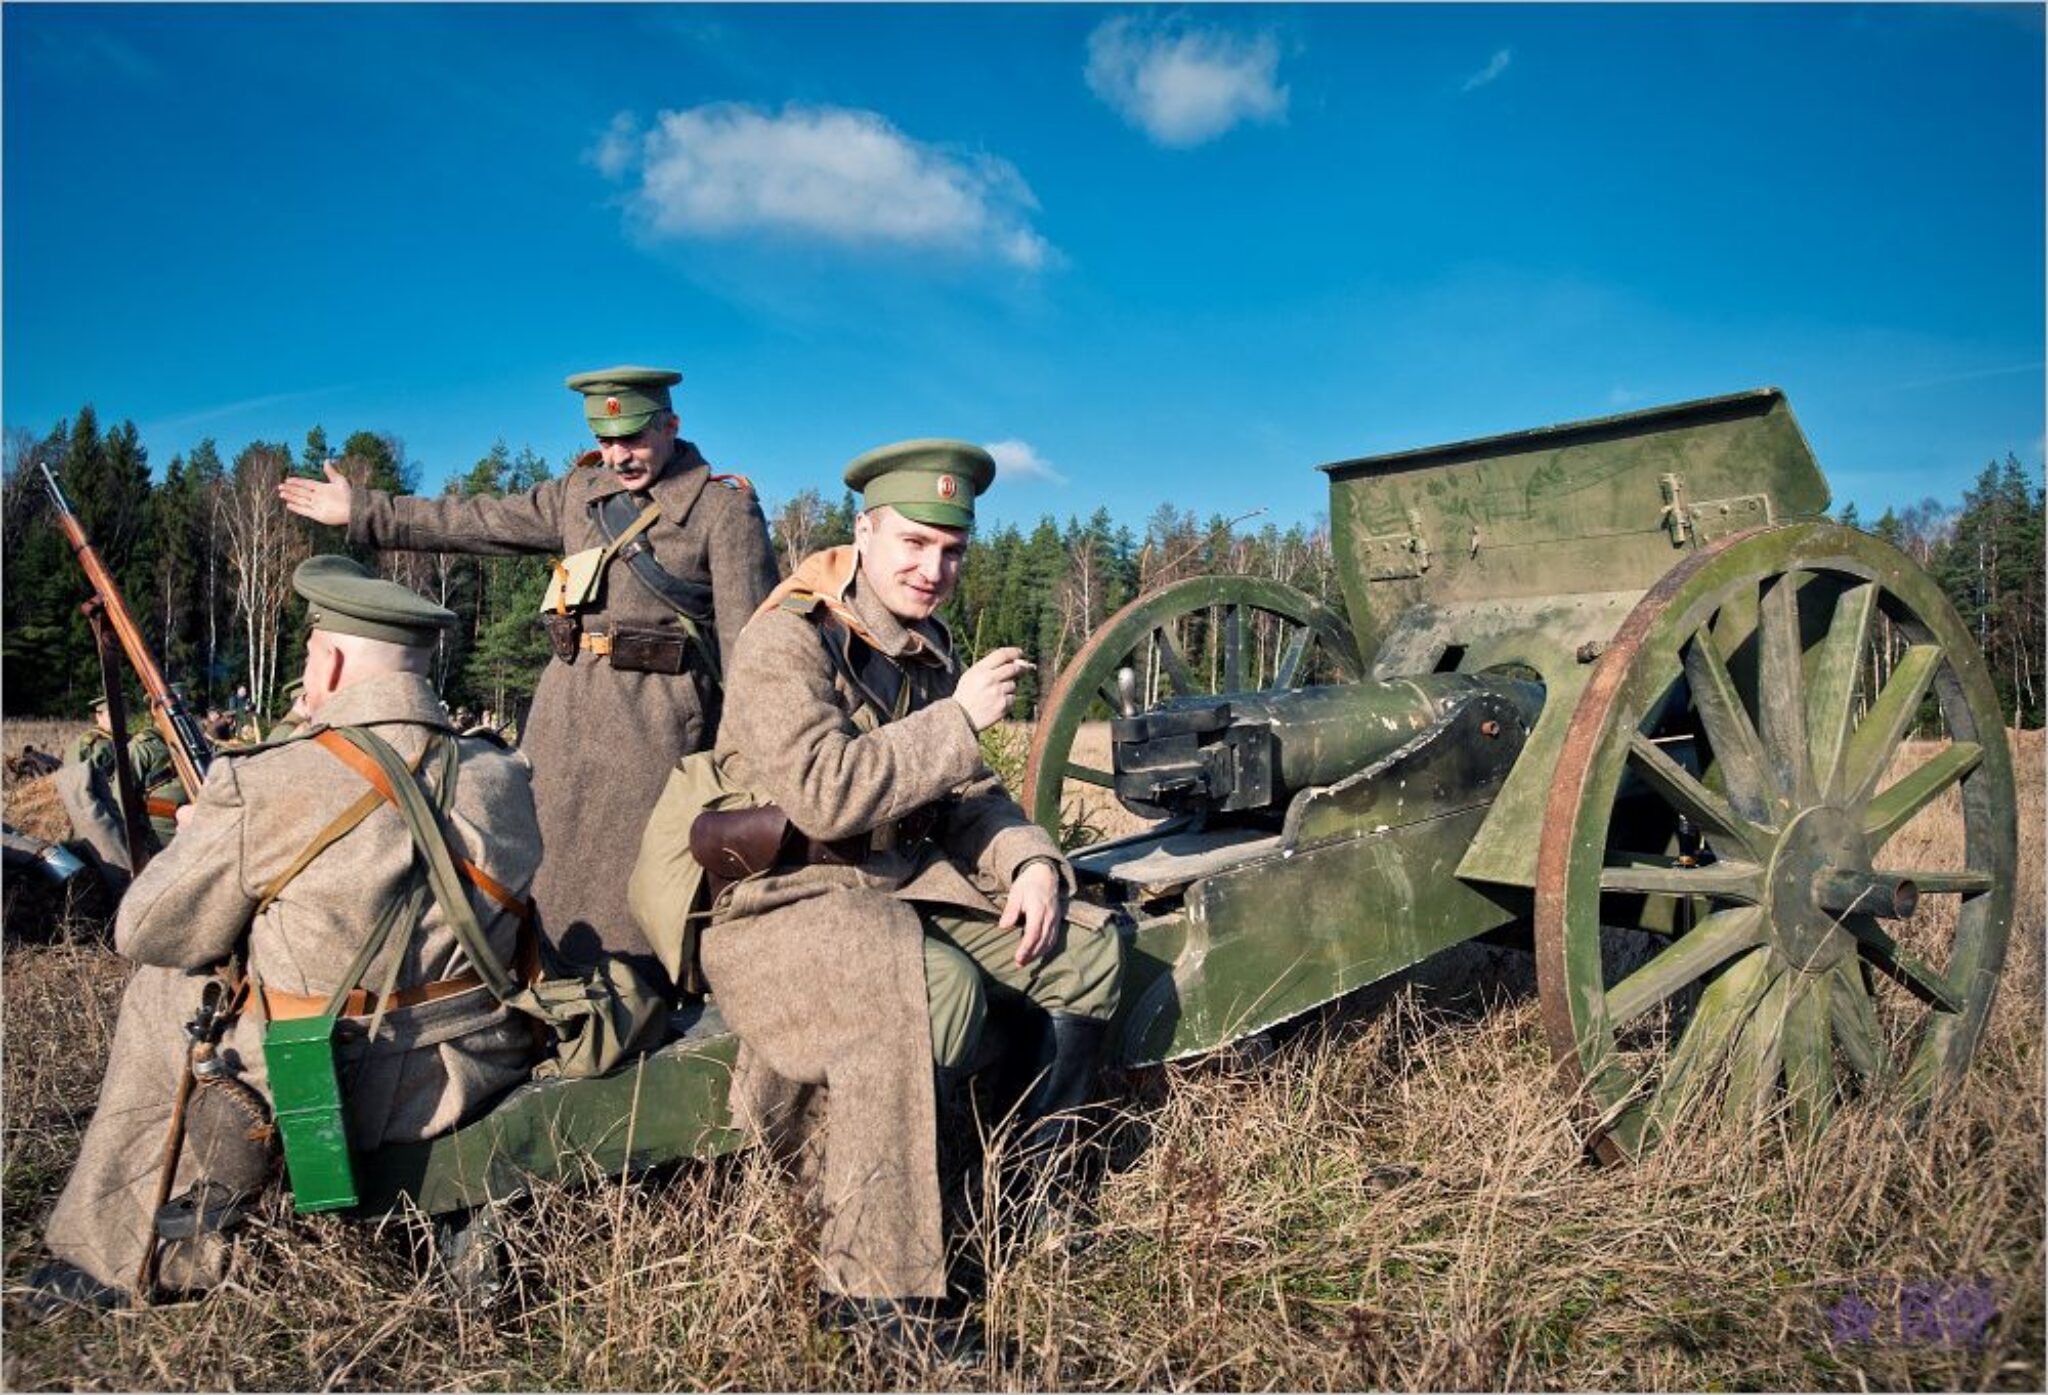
(621, 401)
(345, 597)
(932, 481)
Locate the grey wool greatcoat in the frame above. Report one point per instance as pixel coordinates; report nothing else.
(431, 1067)
(602, 740)
(820, 969)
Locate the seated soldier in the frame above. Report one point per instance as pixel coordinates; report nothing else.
(90, 790)
(868, 951)
(284, 862)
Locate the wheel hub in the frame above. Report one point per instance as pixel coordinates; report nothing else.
(1819, 843)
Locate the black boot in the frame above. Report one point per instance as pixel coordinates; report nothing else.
(1046, 1175)
(61, 1286)
(1069, 1057)
(914, 1331)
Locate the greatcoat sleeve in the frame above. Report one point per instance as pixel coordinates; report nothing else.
(193, 903)
(477, 523)
(801, 749)
(990, 832)
(742, 569)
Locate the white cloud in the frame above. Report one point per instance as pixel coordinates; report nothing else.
(615, 149)
(1182, 84)
(1495, 66)
(829, 173)
(1016, 460)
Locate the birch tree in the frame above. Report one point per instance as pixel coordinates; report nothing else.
(264, 544)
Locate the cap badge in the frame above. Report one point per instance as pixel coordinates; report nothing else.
(611, 406)
(947, 487)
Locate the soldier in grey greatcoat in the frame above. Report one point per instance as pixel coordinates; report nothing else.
(641, 629)
(444, 1047)
(909, 890)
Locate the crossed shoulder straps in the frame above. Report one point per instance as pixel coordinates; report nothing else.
(371, 757)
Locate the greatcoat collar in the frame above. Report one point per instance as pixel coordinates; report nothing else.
(831, 578)
(676, 488)
(389, 697)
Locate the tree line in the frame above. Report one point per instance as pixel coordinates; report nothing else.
(205, 556)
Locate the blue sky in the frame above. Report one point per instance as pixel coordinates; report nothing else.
(1154, 254)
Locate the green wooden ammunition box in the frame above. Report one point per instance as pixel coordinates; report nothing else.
(306, 1095)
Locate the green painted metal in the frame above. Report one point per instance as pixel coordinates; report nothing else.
(1539, 543)
(1132, 638)
(669, 1104)
(1274, 938)
(1589, 506)
(1358, 884)
(298, 1056)
(1730, 698)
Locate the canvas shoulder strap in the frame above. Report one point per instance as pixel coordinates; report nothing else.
(344, 824)
(370, 756)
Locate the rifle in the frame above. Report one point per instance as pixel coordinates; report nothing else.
(189, 749)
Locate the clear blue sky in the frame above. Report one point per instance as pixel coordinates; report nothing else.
(1160, 255)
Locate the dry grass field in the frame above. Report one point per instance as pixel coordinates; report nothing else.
(1391, 1196)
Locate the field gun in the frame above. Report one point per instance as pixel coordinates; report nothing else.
(1620, 680)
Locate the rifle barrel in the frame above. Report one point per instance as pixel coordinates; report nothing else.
(189, 751)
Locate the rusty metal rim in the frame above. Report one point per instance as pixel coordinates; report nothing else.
(1582, 741)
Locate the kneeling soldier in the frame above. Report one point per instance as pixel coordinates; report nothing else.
(868, 949)
(290, 861)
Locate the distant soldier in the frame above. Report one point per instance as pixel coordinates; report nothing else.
(90, 789)
(906, 890)
(281, 860)
(294, 711)
(665, 561)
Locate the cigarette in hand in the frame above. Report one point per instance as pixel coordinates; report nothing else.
(1026, 663)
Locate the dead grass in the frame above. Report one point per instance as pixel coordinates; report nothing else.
(1389, 1198)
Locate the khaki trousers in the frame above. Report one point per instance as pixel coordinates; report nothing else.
(968, 958)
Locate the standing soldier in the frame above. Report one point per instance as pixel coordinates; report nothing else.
(664, 563)
(285, 861)
(867, 951)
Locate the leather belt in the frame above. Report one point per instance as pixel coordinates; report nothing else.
(284, 1007)
(599, 642)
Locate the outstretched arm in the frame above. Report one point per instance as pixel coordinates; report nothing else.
(323, 501)
(477, 523)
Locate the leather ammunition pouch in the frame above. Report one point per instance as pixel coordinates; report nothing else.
(564, 632)
(636, 650)
(733, 844)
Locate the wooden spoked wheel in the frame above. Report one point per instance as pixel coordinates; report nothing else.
(1728, 784)
(1260, 636)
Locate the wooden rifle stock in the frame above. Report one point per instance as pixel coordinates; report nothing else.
(189, 750)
